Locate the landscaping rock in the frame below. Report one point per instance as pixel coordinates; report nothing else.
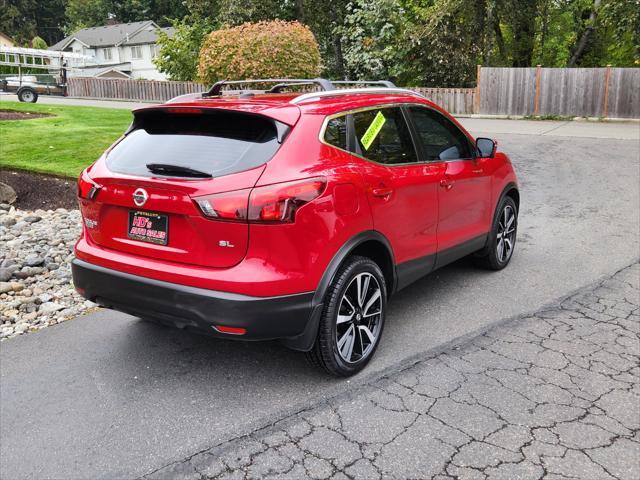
(36, 248)
(50, 307)
(7, 221)
(7, 194)
(6, 273)
(33, 260)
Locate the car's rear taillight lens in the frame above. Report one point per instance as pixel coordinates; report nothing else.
(279, 202)
(87, 188)
(276, 203)
(231, 206)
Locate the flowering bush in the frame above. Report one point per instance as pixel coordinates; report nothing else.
(272, 49)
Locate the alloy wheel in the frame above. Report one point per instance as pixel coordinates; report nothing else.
(506, 235)
(358, 324)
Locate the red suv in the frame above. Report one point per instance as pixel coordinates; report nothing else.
(276, 215)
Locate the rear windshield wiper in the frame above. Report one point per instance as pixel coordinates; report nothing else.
(177, 170)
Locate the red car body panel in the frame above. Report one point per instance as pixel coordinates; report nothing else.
(417, 210)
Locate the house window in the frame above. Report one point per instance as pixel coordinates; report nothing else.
(136, 52)
(107, 54)
(154, 50)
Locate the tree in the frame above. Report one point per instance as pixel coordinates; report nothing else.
(372, 39)
(18, 19)
(92, 13)
(178, 55)
(446, 43)
(519, 16)
(260, 50)
(37, 42)
(85, 13)
(590, 26)
(325, 18)
(237, 12)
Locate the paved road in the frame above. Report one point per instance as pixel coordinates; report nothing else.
(109, 396)
(556, 393)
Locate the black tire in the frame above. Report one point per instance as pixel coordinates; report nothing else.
(491, 257)
(27, 95)
(352, 276)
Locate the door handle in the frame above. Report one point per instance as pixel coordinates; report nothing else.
(382, 192)
(446, 184)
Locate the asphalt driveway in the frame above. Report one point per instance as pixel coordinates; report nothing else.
(107, 395)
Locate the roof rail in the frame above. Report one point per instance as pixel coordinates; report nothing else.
(350, 91)
(324, 84)
(383, 83)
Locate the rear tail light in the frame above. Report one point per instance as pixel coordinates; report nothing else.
(230, 330)
(276, 203)
(279, 202)
(231, 206)
(87, 188)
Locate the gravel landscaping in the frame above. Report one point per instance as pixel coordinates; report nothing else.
(35, 274)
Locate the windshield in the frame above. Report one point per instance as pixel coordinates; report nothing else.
(215, 142)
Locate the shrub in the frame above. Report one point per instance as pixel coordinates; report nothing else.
(272, 49)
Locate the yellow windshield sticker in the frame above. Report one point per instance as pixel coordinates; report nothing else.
(373, 130)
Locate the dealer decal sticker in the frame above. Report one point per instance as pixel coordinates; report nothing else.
(373, 130)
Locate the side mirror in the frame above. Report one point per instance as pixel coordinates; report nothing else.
(486, 147)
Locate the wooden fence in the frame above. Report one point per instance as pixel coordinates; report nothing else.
(136, 90)
(584, 92)
(591, 92)
(454, 100)
(458, 101)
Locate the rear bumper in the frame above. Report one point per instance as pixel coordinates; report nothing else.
(264, 318)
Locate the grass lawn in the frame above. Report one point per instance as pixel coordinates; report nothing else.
(61, 145)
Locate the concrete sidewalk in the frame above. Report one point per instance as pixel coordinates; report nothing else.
(556, 394)
(552, 128)
(81, 102)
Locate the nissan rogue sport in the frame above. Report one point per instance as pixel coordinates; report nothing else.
(270, 214)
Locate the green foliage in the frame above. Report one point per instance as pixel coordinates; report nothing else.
(37, 42)
(92, 13)
(446, 44)
(621, 20)
(63, 144)
(178, 55)
(237, 12)
(85, 13)
(18, 19)
(259, 50)
(372, 37)
(413, 42)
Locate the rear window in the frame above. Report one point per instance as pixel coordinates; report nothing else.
(215, 142)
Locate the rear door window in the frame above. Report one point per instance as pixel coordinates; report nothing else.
(382, 135)
(216, 142)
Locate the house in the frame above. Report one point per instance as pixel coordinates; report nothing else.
(123, 50)
(6, 41)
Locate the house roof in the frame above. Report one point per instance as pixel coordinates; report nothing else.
(7, 39)
(110, 35)
(147, 35)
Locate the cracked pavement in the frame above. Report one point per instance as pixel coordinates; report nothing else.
(553, 395)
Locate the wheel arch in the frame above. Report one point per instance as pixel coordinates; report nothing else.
(371, 244)
(510, 190)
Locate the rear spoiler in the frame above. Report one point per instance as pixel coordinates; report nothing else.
(282, 127)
